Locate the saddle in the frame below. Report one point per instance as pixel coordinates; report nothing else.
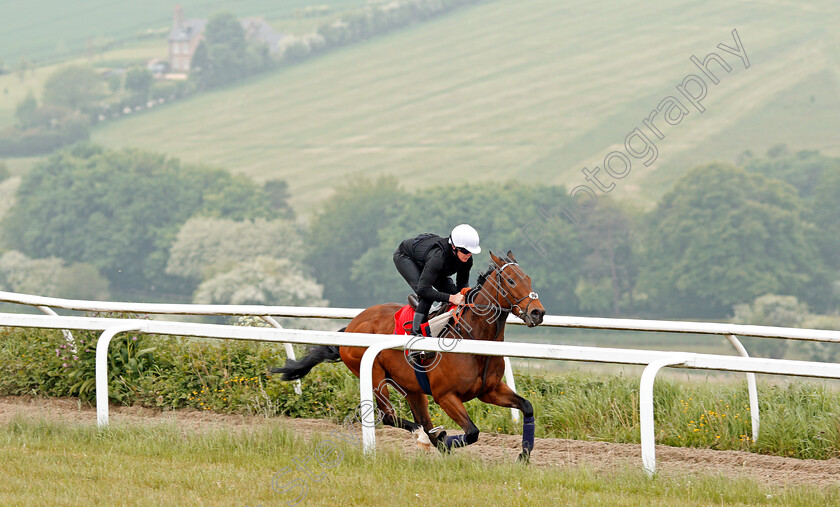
(438, 318)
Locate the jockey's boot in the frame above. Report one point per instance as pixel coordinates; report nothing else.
(417, 356)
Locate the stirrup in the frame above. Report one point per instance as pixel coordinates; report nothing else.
(418, 356)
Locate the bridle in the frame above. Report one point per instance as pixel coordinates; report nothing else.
(499, 270)
(514, 304)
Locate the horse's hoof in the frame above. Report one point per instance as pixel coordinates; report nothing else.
(423, 441)
(524, 458)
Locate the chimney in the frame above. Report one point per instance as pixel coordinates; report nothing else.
(178, 17)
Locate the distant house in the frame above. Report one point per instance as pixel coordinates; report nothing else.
(186, 34)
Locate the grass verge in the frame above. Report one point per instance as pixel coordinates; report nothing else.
(49, 463)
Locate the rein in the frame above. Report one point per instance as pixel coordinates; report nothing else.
(500, 319)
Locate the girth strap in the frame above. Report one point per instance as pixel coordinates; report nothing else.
(422, 379)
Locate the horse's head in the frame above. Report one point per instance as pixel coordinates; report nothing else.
(511, 289)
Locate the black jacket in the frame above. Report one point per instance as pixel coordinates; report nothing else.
(438, 261)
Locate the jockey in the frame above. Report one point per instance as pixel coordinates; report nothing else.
(427, 262)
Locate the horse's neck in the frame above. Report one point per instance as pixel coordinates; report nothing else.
(489, 322)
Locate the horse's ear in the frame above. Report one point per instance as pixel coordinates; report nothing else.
(496, 259)
(510, 256)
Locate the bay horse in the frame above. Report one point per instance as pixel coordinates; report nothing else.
(455, 378)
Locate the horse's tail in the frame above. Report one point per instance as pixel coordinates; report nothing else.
(294, 370)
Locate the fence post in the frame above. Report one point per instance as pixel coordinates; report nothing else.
(751, 388)
(514, 413)
(366, 402)
(102, 369)
(646, 408)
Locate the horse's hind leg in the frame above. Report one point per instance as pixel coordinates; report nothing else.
(455, 409)
(504, 396)
(389, 415)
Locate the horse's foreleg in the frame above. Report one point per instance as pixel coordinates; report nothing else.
(455, 409)
(504, 396)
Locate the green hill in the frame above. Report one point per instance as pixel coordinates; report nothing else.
(528, 90)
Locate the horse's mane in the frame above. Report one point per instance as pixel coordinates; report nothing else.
(482, 277)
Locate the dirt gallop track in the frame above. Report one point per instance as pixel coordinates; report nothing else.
(599, 456)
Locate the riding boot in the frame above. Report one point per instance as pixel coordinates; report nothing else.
(417, 355)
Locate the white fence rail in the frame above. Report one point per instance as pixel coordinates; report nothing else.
(654, 360)
(730, 331)
(267, 313)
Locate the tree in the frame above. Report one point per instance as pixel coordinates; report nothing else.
(75, 87)
(50, 277)
(607, 233)
(222, 57)
(501, 212)
(23, 66)
(82, 281)
(25, 111)
(115, 82)
(138, 81)
(21, 274)
(8, 189)
(803, 169)
(262, 281)
(4, 172)
(723, 236)
(120, 211)
(771, 310)
(200, 64)
(596, 297)
(205, 247)
(824, 212)
(278, 195)
(344, 229)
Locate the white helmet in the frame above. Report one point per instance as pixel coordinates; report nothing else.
(464, 236)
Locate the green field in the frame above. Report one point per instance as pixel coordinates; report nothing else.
(49, 30)
(14, 87)
(48, 463)
(503, 90)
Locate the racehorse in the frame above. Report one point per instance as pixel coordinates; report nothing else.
(455, 378)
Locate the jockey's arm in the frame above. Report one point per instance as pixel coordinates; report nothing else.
(428, 278)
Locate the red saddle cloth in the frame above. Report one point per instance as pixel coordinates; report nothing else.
(404, 318)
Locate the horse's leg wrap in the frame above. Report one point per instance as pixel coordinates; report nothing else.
(455, 441)
(528, 435)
